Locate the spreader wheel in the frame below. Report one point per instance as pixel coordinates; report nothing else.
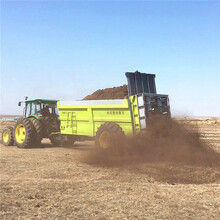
(107, 133)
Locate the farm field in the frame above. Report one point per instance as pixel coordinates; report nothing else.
(61, 183)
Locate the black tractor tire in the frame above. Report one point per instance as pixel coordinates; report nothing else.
(108, 134)
(38, 131)
(25, 140)
(7, 136)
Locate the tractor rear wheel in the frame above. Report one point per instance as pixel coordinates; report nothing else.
(107, 135)
(38, 131)
(24, 133)
(7, 136)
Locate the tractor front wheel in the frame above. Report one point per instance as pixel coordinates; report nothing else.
(7, 136)
(24, 133)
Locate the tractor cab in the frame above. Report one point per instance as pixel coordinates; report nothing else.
(40, 108)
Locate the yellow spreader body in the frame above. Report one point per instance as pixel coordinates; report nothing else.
(85, 117)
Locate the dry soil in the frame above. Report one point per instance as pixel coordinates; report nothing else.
(60, 183)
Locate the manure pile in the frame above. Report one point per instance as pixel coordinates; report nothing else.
(109, 93)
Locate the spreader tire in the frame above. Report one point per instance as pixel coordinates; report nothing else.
(38, 131)
(107, 133)
(24, 133)
(7, 136)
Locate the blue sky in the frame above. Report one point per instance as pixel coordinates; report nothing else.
(68, 49)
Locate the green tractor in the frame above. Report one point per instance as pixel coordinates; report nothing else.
(40, 120)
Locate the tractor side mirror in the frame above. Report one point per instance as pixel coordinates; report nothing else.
(19, 103)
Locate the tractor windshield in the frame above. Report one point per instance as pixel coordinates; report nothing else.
(36, 108)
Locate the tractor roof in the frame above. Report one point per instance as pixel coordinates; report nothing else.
(41, 100)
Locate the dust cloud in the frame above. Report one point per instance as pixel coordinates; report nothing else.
(165, 140)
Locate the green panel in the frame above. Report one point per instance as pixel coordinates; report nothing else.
(43, 100)
(36, 116)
